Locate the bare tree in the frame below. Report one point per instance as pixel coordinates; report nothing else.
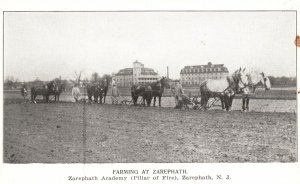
(77, 77)
(10, 82)
(95, 78)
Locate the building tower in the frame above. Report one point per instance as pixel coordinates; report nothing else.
(137, 70)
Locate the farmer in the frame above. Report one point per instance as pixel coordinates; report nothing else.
(24, 91)
(115, 94)
(76, 92)
(178, 92)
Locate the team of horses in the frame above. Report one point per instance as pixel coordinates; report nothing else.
(98, 91)
(50, 89)
(149, 91)
(239, 82)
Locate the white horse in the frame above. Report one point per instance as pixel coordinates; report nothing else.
(225, 88)
(255, 79)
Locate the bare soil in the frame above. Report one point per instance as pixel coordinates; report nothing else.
(93, 133)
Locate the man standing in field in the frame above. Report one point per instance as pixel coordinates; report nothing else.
(178, 92)
(115, 94)
(76, 92)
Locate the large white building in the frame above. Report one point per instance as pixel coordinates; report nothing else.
(195, 75)
(136, 75)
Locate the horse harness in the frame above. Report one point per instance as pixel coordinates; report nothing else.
(234, 85)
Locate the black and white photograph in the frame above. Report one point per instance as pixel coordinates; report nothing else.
(149, 87)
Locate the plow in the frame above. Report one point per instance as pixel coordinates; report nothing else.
(194, 102)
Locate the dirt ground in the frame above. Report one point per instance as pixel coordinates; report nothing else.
(75, 133)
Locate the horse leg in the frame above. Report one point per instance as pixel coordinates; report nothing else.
(227, 102)
(244, 101)
(204, 100)
(143, 103)
(247, 103)
(154, 100)
(104, 96)
(101, 99)
(159, 100)
(136, 100)
(222, 102)
(32, 98)
(230, 101)
(148, 99)
(96, 98)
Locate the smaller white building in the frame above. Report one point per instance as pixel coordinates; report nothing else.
(136, 75)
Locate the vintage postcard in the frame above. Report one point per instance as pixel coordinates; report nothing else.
(150, 95)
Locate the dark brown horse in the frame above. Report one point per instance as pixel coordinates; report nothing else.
(104, 84)
(147, 91)
(95, 91)
(44, 91)
(59, 88)
(158, 89)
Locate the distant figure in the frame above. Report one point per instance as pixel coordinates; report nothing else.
(76, 92)
(178, 92)
(115, 94)
(24, 91)
(113, 82)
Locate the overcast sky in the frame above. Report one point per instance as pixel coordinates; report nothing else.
(51, 44)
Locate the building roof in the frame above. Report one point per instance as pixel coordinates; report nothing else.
(209, 68)
(129, 71)
(125, 71)
(137, 62)
(148, 71)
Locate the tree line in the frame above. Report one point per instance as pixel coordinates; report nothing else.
(11, 83)
(283, 81)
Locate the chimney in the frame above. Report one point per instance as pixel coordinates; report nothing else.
(167, 72)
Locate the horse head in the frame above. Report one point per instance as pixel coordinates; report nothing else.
(100, 87)
(265, 81)
(258, 78)
(61, 88)
(240, 79)
(165, 82)
(51, 86)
